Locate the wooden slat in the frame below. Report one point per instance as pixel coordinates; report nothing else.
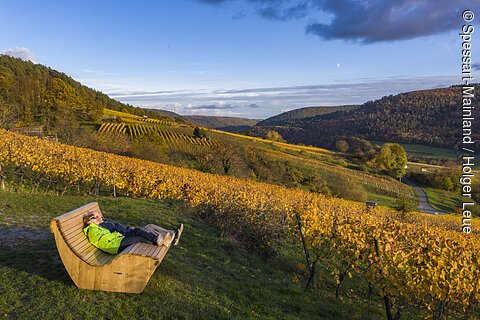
(131, 248)
(144, 249)
(151, 250)
(73, 234)
(100, 259)
(90, 254)
(81, 248)
(106, 259)
(76, 222)
(76, 247)
(85, 249)
(72, 213)
(138, 247)
(157, 251)
(162, 254)
(94, 257)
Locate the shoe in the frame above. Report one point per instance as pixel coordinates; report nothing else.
(164, 240)
(159, 240)
(171, 238)
(178, 234)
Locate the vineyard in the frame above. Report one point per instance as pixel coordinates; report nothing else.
(136, 126)
(169, 136)
(409, 265)
(127, 117)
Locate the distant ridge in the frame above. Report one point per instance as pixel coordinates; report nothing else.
(289, 117)
(430, 117)
(230, 124)
(165, 113)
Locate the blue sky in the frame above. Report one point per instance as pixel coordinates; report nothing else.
(247, 58)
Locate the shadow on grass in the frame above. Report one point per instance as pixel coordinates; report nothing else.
(32, 250)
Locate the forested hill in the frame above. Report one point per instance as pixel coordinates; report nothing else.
(230, 124)
(34, 94)
(431, 117)
(291, 117)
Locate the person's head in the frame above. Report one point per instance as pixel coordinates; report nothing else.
(98, 216)
(89, 218)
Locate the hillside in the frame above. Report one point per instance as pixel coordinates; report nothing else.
(429, 117)
(207, 275)
(147, 134)
(164, 113)
(230, 124)
(33, 94)
(293, 116)
(355, 247)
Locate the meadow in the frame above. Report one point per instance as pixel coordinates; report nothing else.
(205, 277)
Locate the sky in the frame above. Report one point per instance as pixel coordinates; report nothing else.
(243, 58)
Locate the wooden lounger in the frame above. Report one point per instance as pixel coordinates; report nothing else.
(93, 269)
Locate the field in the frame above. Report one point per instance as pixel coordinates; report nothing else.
(446, 201)
(409, 263)
(424, 151)
(136, 126)
(204, 277)
(178, 139)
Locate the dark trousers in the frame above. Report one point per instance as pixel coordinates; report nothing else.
(135, 235)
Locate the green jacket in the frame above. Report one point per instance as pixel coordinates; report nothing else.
(102, 238)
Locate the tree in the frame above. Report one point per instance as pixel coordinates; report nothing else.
(7, 114)
(199, 133)
(294, 175)
(404, 205)
(227, 154)
(342, 145)
(274, 136)
(392, 159)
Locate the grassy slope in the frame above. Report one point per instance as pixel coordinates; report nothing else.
(447, 201)
(323, 160)
(205, 277)
(421, 150)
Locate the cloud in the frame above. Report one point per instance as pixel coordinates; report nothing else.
(365, 21)
(476, 66)
(215, 105)
(386, 20)
(220, 106)
(22, 53)
(265, 102)
(275, 12)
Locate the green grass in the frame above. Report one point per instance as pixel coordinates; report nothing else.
(205, 277)
(382, 200)
(447, 201)
(420, 150)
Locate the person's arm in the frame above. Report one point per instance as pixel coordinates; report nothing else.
(113, 226)
(120, 228)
